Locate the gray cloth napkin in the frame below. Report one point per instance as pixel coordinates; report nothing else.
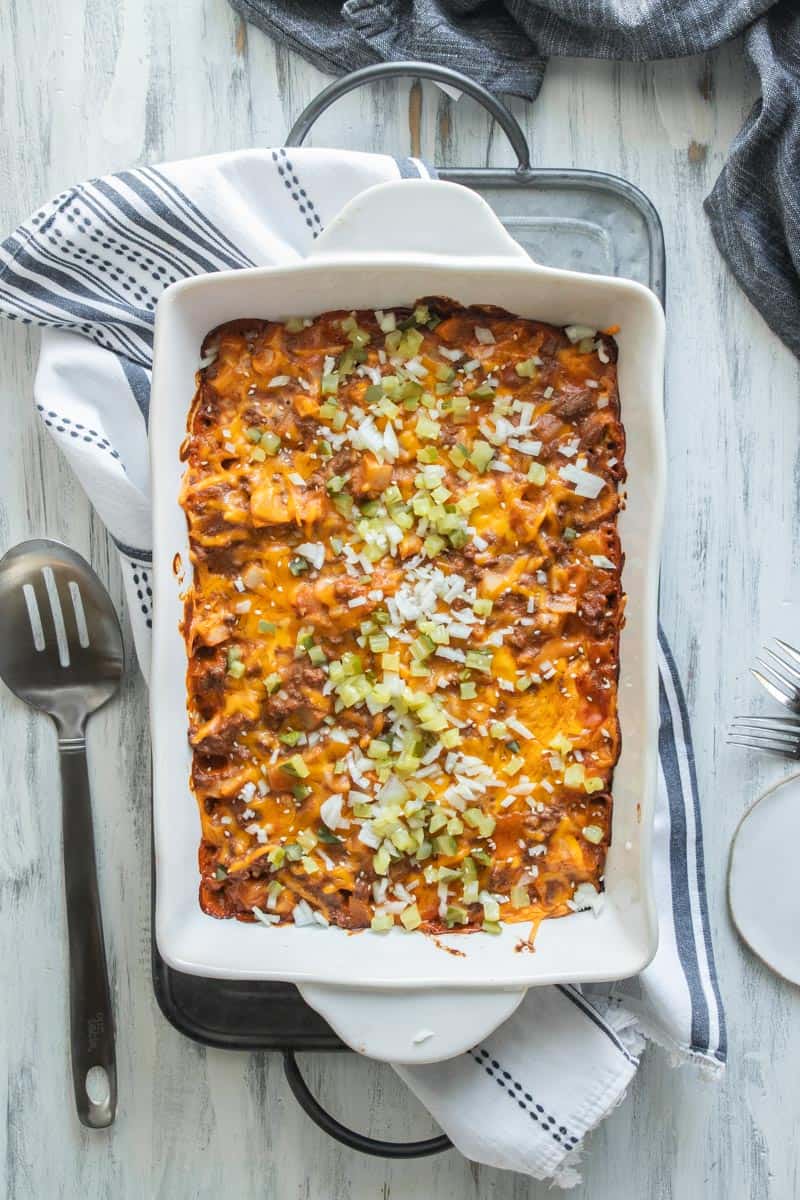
(754, 208)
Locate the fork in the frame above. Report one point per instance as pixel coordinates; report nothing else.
(776, 735)
(781, 681)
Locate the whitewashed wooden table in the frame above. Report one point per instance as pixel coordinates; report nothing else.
(90, 86)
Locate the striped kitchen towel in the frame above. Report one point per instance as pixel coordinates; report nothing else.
(89, 268)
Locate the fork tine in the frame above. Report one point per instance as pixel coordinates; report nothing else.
(790, 736)
(761, 744)
(766, 746)
(786, 680)
(767, 735)
(776, 692)
(792, 722)
(790, 650)
(788, 667)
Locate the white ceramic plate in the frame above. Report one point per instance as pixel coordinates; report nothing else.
(762, 888)
(389, 246)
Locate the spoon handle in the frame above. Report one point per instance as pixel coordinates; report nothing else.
(91, 1018)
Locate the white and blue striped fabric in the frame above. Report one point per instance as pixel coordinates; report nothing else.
(88, 268)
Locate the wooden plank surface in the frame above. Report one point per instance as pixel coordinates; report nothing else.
(91, 86)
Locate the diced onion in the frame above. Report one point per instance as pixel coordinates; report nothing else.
(526, 447)
(331, 812)
(369, 838)
(314, 552)
(303, 914)
(265, 918)
(390, 442)
(367, 437)
(519, 728)
(586, 484)
(253, 576)
(587, 896)
(451, 654)
(416, 367)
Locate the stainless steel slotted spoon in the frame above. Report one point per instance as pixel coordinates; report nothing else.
(62, 653)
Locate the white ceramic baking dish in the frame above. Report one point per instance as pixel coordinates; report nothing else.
(390, 245)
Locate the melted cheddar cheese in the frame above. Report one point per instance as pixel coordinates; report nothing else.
(403, 622)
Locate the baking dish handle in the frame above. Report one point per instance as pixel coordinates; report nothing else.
(411, 1026)
(350, 1137)
(417, 216)
(416, 70)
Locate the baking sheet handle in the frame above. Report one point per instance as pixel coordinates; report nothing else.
(418, 70)
(349, 1137)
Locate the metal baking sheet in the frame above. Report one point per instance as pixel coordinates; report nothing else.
(579, 220)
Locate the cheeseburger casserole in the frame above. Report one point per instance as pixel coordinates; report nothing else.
(403, 617)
